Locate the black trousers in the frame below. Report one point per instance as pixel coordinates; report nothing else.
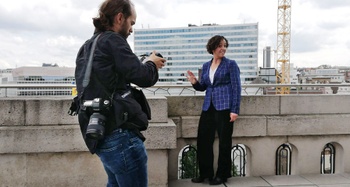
(212, 121)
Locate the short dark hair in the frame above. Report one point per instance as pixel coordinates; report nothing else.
(107, 11)
(214, 42)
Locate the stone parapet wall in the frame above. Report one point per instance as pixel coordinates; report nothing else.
(306, 122)
(41, 144)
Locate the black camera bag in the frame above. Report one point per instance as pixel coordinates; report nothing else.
(129, 110)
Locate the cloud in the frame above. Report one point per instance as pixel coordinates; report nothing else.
(40, 31)
(348, 44)
(303, 42)
(330, 4)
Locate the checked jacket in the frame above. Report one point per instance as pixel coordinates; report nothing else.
(225, 92)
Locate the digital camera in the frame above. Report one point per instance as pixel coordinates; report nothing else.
(96, 127)
(143, 57)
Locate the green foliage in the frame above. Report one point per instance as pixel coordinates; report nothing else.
(234, 171)
(189, 166)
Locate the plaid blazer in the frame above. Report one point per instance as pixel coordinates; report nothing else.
(225, 92)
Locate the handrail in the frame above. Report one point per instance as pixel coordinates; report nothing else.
(37, 86)
(183, 88)
(175, 85)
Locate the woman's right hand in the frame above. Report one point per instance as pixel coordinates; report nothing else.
(190, 77)
(158, 61)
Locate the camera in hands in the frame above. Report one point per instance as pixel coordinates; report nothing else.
(144, 56)
(96, 127)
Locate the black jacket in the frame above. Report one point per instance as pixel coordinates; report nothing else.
(114, 67)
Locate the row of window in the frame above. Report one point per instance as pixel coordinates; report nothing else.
(171, 77)
(168, 54)
(148, 49)
(195, 29)
(191, 41)
(43, 93)
(189, 65)
(45, 78)
(191, 35)
(170, 65)
(38, 81)
(204, 58)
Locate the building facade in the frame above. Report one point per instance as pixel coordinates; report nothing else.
(267, 57)
(45, 75)
(185, 48)
(5, 76)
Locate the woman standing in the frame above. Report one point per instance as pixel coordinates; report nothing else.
(221, 80)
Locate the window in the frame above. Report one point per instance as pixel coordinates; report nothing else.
(188, 166)
(283, 159)
(239, 160)
(328, 159)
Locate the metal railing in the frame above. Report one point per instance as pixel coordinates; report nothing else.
(38, 90)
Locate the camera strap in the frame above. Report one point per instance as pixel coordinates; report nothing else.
(77, 102)
(86, 79)
(88, 74)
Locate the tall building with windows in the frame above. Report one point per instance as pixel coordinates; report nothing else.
(45, 75)
(185, 48)
(267, 57)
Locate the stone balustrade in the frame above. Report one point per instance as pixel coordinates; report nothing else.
(41, 144)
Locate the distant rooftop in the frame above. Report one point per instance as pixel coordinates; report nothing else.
(206, 24)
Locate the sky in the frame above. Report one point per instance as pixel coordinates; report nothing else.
(33, 32)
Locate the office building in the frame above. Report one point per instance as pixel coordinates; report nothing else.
(5, 76)
(267, 57)
(46, 75)
(185, 48)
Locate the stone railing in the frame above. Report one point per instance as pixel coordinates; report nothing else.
(183, 89)
(306, 122)
(41, 144)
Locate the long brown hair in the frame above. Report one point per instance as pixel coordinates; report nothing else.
(108, 10)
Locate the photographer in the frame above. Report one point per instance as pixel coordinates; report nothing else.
(114, 68)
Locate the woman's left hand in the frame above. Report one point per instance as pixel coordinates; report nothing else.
(233, 117)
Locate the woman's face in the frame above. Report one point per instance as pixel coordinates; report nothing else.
(220, 51)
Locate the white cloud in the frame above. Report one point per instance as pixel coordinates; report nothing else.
(39, 31)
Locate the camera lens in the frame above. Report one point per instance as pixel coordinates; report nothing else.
(95, 129)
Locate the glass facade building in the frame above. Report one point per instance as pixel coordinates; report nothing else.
(49, 77)
(185, 48)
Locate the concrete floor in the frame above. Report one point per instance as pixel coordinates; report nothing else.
(310, 180)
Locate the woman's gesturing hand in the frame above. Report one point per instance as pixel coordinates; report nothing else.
(190, 77)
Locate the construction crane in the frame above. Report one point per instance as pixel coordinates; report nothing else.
(283, 46)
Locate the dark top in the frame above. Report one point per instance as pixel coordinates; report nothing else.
(114, 67)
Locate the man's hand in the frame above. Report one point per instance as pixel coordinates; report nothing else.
(158, 61)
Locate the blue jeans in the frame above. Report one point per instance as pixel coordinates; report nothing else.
(124, 158)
